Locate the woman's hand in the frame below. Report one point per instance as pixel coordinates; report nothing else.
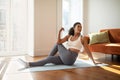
(97, 63)
(61, 29)
(64, 39)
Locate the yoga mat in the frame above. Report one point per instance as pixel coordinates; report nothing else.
(16, 67)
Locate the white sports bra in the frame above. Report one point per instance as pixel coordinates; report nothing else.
(76, 44)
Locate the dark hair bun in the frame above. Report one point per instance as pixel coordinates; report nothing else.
(71, 31)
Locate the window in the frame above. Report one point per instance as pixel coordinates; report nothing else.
(3, 24)
(71, 13)
(13, 27)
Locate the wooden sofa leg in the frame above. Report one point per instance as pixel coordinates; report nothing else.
(112, 56)
(118, 57)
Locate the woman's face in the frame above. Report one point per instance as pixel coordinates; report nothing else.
(78, 28)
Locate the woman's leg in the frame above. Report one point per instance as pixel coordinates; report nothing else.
(50, 59)
(53, 51)
(67, 57)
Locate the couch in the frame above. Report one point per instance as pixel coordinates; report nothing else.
(112, 47)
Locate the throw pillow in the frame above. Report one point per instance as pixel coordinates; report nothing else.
(101, 37)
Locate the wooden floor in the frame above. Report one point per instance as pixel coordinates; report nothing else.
(111, 72)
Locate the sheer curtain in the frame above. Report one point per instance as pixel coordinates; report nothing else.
(13, 27)
(71, 13)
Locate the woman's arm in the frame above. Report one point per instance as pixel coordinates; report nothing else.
(84, 42)
(59, 40)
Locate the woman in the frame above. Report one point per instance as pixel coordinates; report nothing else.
(67, 54)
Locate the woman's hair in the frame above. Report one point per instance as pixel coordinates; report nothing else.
(71, 30)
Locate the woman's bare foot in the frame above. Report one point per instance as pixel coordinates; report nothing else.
(25, 64)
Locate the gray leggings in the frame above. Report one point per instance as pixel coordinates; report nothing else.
(65, 57)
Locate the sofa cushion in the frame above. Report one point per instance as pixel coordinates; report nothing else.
(100, 37)
(108, 48)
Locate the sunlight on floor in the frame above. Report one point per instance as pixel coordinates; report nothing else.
(20, 76)
(11, 75)
(117, 71)
(116, 66)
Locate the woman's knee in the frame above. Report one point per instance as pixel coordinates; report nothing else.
(58, 45)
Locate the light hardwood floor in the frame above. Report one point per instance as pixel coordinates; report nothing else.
(111, 72)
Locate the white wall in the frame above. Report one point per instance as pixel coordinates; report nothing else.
(43, 26)
(99, 14)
